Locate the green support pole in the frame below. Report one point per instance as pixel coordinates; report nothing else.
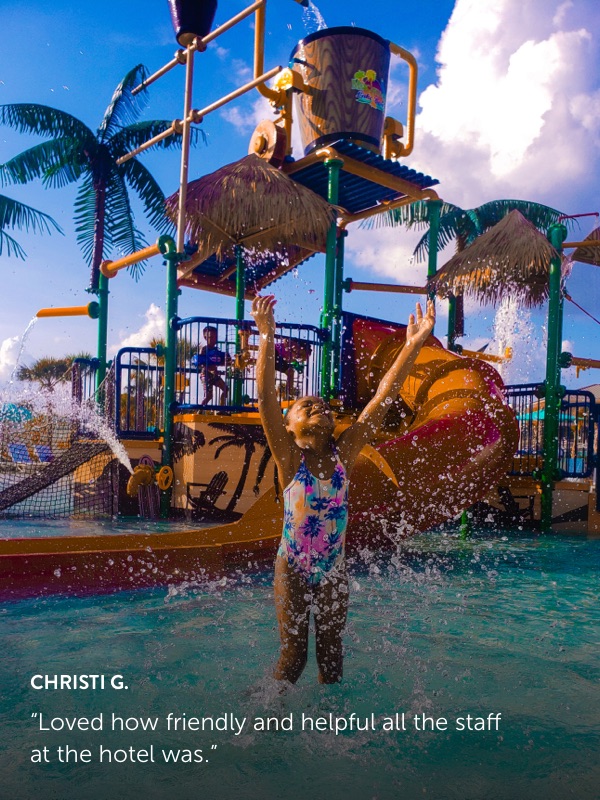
(337, 313)
(240, 291)
(557, 235)
(333, 165)
(466, 525)
(102, 293)
(172, 258)
(434, 227)
(451, 322)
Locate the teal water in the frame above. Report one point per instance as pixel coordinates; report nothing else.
(504, 623)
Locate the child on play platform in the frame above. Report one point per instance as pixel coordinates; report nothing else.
(314, 470)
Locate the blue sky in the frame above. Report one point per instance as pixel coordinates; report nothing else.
(509, 97)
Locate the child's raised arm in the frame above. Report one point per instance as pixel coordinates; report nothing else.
(277, 434)
(354, 438)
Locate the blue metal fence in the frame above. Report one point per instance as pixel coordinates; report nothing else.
(214, 353)
(83, 378)
(139, 392)
(577, 428)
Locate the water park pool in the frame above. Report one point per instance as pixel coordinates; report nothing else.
(502, 623)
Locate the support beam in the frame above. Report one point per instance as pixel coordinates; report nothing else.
(240, 289)
(394, 288)
(102, 293)
(452, 322)
(333, 166)
(556, 235)
(172, 292)
(434, 227)
(337, 313)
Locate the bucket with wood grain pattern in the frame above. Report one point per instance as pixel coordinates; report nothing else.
(346, 72)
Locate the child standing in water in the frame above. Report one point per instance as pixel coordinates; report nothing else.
(314, 470)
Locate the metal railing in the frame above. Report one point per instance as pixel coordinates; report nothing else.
(576, 432)
(83, 379)
(216, 363)
(139, 392)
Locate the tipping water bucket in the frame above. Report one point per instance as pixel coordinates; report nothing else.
(192, 18)
(346, 72)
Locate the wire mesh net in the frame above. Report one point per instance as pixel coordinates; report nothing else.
(52, 467)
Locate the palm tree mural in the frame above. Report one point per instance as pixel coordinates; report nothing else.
(186, 441)
(74, 153)
(240, 436)
(16, 215)
(463, 226)
(262, 465)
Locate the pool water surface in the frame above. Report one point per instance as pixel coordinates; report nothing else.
(501, 623)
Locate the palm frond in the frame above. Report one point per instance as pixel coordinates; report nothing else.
(125, 236)
(133, 136)
(12, 247)
(14, 214)
(43, 158)
(85, 222)
(124, 107)
(413, 215)
(539, 215)
(447, 233)
(149, 192)
(43, 121)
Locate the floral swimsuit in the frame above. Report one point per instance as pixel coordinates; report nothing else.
(314, 523)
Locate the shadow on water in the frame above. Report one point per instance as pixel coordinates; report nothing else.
(496, 624)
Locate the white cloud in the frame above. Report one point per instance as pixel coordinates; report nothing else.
(221, 52)
(244, 118)
(9, 351)
(387, 252)
(152, 328)
(515, 100)
(561, 12)
(241, 69)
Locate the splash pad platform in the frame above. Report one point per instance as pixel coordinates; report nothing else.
(445, 444)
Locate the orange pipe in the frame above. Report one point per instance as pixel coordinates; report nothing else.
(384, 287)
(67, 311)
(585, 243)
(110, 268)
(587, 363)
(259, 52)
(412, 95)
(492, 359)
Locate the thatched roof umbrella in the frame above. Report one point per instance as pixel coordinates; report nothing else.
(252, 204)
(511, 258)
(589, 255)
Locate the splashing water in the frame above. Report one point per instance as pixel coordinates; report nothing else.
(88, 415)
(513, 328)
(312, 18)
(24, 337)
(59, 404)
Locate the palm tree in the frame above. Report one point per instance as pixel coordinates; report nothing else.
(104, 218)
(48, 372)
(14, 214)
(464, 226)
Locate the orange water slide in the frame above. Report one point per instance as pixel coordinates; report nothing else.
(446, 442)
